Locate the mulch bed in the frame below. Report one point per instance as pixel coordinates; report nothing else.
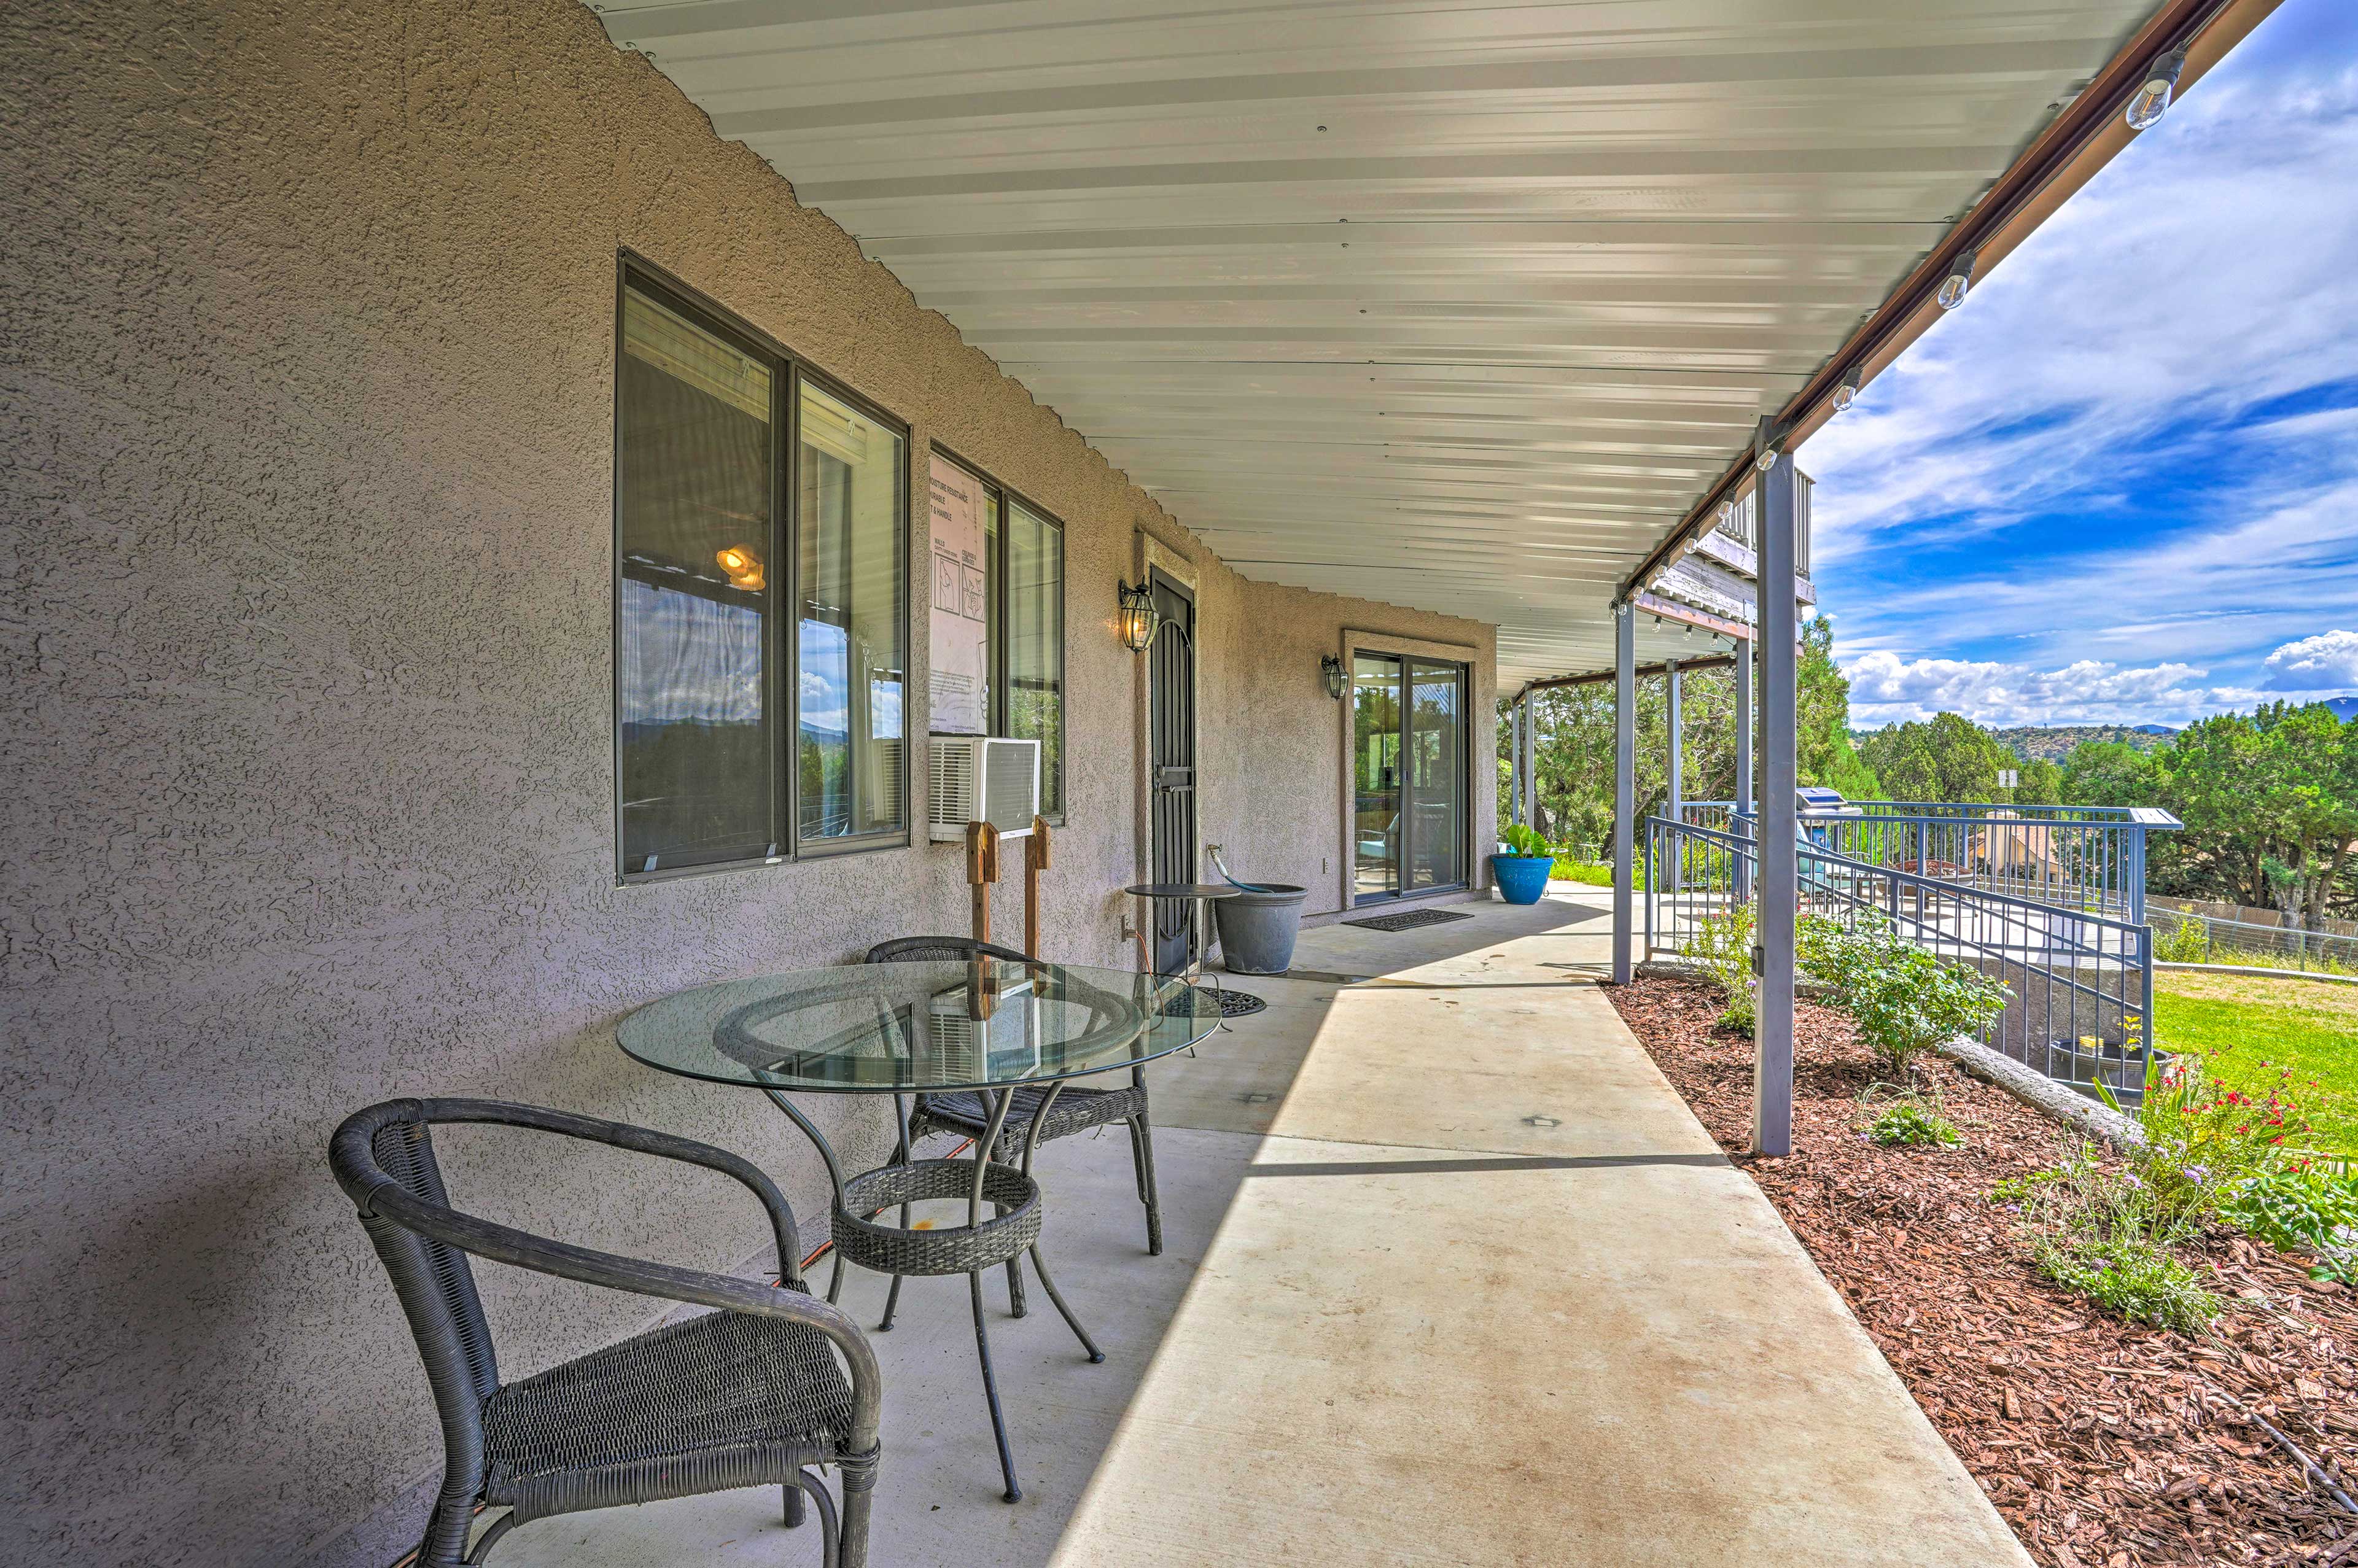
(2101, 1442)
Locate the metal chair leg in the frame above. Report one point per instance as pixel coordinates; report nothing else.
(830, 1532)
(1015, 1493)
(1142, 1133)
(795, 1509)
(852, 1549)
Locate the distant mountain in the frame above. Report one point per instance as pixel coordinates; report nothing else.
(2344, 707)
(2035, 743)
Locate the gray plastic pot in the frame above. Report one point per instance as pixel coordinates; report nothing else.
(1258, 929)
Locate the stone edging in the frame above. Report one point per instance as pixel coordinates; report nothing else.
(2250, 969)
(2057, 1102)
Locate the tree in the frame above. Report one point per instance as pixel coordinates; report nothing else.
(2269, 800)
(1822, 716)
(1948, 757)
(2038, 782)
(1573, 752)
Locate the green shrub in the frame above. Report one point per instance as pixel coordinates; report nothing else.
(1904, 998)
(2129, 1275)
(1567, 870)
(1723, 945)
(2102, 1234)
(2190, 943)
(2301, 1208)
(1909, 1122)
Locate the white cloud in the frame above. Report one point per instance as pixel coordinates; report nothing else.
(1888, 689)
(2327, 662)
(2166, 366)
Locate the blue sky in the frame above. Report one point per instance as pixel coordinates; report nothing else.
(2120, 482)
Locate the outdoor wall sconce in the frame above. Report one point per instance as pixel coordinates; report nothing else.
(1332, 668)
(1139, 617)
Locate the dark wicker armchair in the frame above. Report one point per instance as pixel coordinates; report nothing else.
(749, 1395)
(1077, 1110)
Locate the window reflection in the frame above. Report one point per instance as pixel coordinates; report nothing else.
(1035, 644)
(696, 525)
(850, 640)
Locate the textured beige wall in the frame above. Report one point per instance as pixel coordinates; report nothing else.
(306, 522)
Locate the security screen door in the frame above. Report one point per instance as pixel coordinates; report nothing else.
(1408, 776)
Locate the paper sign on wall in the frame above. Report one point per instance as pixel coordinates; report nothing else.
(959, 686)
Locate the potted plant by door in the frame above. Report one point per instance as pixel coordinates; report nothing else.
(1521, 865)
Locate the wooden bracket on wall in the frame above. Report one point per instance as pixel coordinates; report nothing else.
(981, 872)
(1036, 860)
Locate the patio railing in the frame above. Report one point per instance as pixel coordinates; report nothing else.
(2084, 858)
(2079, 982)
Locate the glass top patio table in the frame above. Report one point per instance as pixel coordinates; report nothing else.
(915, 1028)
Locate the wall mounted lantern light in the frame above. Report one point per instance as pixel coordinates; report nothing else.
(1332, 668)
(1139, 617)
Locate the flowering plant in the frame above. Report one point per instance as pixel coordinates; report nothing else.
(2203, 1140)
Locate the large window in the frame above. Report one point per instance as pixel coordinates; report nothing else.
(709, 687)
(1024, 589)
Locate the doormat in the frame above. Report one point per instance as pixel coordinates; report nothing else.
(1409, 919)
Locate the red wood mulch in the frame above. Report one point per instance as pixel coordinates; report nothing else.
(2102, 1444)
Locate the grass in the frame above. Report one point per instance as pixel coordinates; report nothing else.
(2239, 1021)
(1567, 870)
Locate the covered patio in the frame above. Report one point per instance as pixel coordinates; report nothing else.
(523, 513)
(1503, 1305)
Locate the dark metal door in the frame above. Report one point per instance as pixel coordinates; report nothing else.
(1171, 768)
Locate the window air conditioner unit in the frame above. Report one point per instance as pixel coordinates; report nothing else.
(979, 778)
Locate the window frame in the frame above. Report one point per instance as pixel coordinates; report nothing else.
(1002, 707)
(782, 670)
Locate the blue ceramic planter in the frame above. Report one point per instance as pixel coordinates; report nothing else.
(1522, 879)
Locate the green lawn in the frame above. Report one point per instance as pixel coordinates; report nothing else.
(2237, 1022)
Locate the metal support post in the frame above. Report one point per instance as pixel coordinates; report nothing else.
(1625, 781)
(1515, 758)
(1772, 1039)
(1740, 828)
(1678, 740)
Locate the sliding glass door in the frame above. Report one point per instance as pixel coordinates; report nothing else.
(1407, 826)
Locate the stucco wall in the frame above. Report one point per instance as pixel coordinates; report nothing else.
(306, 522)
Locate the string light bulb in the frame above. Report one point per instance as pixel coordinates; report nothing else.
(1959, 280)
(2151, 100)
(1846, 390)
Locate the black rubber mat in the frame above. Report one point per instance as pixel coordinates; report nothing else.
(1408, 919)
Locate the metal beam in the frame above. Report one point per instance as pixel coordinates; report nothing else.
(1625, 780)
(1772, 1039)
(1598, 677)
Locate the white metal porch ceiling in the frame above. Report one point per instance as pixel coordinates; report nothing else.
(1444, 303)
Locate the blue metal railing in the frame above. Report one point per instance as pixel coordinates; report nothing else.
(2086, 857)
(2079, 980)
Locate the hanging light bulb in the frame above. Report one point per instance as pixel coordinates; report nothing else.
(1764, 444)
(2151, 101)
(1846, 390)
(1953, 287)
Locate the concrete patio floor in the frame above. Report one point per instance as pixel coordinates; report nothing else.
(1452, 1276)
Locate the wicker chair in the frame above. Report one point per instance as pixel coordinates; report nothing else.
(1076, 1110)
(749, 1395)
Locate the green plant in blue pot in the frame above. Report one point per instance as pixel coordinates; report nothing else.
(1521, 868)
